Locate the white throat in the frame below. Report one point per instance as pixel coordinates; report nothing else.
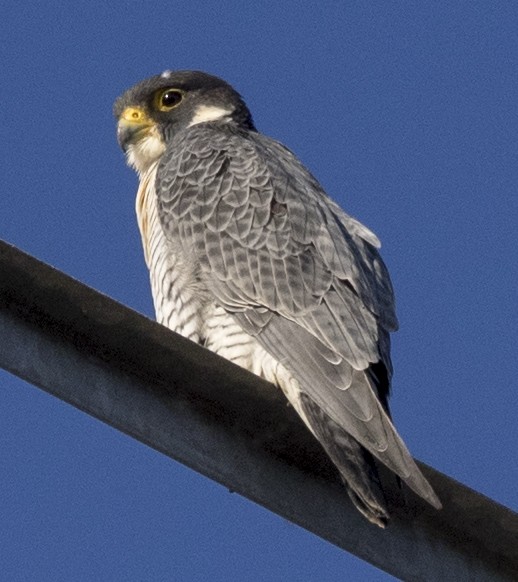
(143, 154)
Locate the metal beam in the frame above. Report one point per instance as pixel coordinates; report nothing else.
(229, 425)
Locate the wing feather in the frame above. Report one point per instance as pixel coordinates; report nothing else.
(293, 269)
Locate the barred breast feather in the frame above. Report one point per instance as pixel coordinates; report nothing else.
(181, 302)
(173, 282)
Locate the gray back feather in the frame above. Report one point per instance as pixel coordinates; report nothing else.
(294, 270)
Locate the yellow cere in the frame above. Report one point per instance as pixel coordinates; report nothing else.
(135, 115)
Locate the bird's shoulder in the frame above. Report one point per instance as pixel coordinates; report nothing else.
(261, 168)
(247, 203)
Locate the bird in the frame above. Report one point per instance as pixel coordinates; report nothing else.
(249, 257)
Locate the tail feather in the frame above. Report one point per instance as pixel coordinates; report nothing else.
(354, 462)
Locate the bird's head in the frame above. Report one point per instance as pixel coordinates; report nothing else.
(152, 112)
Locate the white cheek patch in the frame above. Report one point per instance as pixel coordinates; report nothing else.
(206, 113)
(145, 152)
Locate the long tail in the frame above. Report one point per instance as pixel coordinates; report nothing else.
(354, 462)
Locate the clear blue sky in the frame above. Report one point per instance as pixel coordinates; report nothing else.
(407, 114)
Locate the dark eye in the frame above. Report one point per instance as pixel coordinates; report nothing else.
(169, 98)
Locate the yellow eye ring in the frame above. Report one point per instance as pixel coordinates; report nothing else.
(168, 99)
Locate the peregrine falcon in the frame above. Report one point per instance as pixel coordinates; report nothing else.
(249, 257)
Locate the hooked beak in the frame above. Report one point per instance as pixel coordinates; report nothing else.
(133, 125)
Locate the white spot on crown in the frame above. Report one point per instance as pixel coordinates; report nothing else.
(166, 74)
